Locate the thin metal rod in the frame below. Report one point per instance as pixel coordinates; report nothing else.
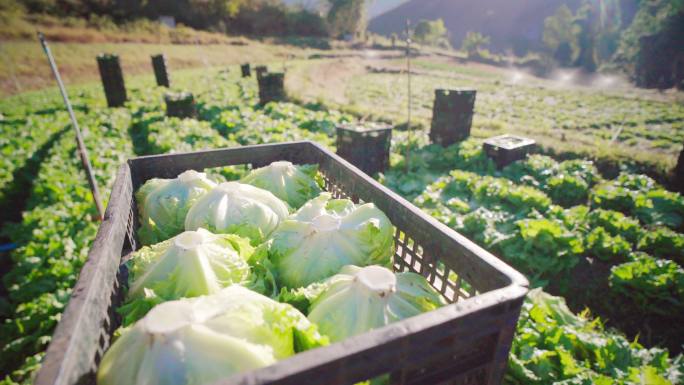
(83, 153)
(408, 75)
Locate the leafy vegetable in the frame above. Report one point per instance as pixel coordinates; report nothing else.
(515, 199)
(606, 247)
(536, 170)
(20, 145)
(568, 190)
(663, 243)
(661, 207)
(293, 184)
(191, 264)
(204, 339)
(616, 223)
(493, 193)
(542, 247)
(487, 227)
(170, 134)
(164, 203)
(581, 168)
(654, 286)
(553, 345)
(237, 208)
(640, 196)
(612, 197)
(327, 234)
(361, 299)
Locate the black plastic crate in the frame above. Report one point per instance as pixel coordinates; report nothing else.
(260, 71)
(180, 105)
(506, 149)
(466, 342)
(452, 116)
(112, 79)
(160, 71)
(246, 70)
(365, 146)
(271, 87)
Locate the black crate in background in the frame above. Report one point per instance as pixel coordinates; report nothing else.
(160, 71)
(112, 79)
(272, 87)
(465, 342)
(260, 71)
(246, 70)
(506, 149)
(180, 105)
(366, 147)
(452, 116)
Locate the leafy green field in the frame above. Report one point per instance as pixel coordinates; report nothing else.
(554, 221)
(617, 125)
(590, 239)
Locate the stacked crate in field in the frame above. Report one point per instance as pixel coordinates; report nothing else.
(112, 79)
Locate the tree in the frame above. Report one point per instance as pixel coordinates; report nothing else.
(649, 20)
(564, 53)
(609, 29)
(586, 31)
(559, 36)
(430, 32)
(473, 42)
(209, 12)
(347, 17)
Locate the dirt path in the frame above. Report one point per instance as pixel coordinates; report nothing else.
(326, 79)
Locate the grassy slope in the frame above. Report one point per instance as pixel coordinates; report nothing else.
(613, 126)
(24, 67)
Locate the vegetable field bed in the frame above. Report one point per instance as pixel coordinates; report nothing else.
(29, 126)
(614, 246)
(556, 221)
(53, 238)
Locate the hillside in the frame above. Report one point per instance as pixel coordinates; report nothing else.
(76, 42)
(507, 22)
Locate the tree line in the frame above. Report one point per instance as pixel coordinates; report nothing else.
(643, 38)
(649, 46)
(336, 18)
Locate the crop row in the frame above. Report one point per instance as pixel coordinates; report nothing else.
(623, 261)
(23, 142)
(28, 128)
(228, 115)
(54, 235)
(241, 121)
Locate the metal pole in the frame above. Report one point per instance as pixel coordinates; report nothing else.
(408, 75)
(83, 153)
